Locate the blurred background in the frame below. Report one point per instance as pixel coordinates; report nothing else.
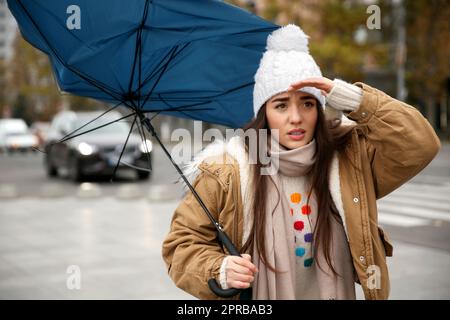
(68, 232)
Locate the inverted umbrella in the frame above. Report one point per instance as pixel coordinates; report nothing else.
(188, 58)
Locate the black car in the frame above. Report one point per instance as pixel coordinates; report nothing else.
(96, 152)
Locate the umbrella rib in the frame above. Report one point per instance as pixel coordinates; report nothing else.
(138, 48)
(205, 97)
(181, 108)
(123, 148)
(154, 116)
(177, 109)
(135, 167)
(160, 74)
(84, 125)
(69, 135)
(157, 70)
(173, 56)
(174, 109)
(140, 52)
(144, 141)
(96, 128)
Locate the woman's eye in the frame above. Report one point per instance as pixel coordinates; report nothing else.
(309, 104)
(280, 106)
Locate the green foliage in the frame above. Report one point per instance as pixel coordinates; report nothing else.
(428, 45)
(331, 25)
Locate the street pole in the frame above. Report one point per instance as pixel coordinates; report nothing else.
(400, 50)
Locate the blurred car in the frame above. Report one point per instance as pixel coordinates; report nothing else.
(15, 136)
(40, 130)
(96, 152)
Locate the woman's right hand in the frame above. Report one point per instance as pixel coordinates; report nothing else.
(240, 271)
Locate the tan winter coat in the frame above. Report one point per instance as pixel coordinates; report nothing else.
(390, 144)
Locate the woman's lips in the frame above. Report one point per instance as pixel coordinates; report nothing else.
(296, 135)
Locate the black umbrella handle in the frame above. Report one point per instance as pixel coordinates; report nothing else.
(212, 283)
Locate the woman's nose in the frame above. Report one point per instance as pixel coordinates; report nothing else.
(295, 115)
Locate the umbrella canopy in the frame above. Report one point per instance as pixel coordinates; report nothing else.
(189, 58)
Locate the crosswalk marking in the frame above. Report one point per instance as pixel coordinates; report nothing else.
(403, 200)
(429, 196)
(414, 211)
(415, 205)
(424, 191)
(401, 221)
(432, 180)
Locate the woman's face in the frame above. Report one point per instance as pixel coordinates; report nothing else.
(294, 114)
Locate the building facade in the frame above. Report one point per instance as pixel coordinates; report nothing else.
(8, 31)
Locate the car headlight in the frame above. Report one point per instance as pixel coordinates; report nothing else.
(146, 146)
(86, 149)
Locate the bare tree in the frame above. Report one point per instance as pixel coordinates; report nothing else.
(428, 53)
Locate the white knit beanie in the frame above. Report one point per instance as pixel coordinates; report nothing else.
(287, 60)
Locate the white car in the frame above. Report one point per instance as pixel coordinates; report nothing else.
(14, 135)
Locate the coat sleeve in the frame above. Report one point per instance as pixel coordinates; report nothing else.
(399, 141)
(190, 250)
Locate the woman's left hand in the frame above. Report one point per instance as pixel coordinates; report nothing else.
(323, 84)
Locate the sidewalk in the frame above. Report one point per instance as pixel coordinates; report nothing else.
(116, 243)
(417, 273)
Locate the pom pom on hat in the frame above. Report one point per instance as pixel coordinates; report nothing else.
(288, 38)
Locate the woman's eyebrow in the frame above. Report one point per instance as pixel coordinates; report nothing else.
(280, 99)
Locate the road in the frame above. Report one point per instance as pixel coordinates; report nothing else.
(113, 232)
(25, 173)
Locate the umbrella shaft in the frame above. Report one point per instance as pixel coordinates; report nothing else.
(232, 249)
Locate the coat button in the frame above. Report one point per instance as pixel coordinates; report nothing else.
(361, 258)
(355, 200)
(364, 114)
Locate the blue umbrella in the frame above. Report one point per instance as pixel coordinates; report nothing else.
(188, 58)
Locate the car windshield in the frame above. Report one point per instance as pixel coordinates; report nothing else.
(119, 127)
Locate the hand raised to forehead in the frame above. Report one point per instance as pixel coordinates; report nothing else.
(323, 84)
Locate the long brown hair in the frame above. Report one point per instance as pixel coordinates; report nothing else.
(328, 140)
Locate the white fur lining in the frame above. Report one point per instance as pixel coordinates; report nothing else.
(223, 273)
(335, 189)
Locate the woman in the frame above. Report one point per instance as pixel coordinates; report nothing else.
(309, 230)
